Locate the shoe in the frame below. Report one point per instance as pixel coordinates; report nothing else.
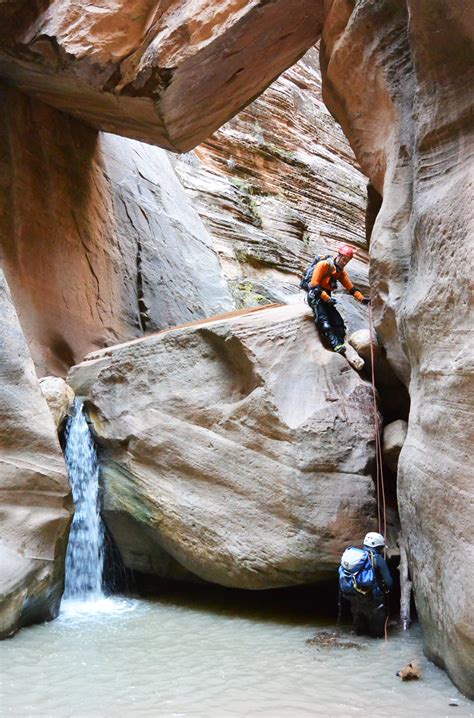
(340, 348)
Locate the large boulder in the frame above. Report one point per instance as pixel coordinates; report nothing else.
(397, 77)
(239, 446)
(164, 72)
(394, 435)
(35, 502)
(115, 248)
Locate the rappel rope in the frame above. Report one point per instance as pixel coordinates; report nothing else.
(381, 504)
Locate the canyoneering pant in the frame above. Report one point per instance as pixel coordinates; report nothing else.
(369, 615)
(329, 320)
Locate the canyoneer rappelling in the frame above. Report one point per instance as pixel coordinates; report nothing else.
(365, 581)
(319, 281)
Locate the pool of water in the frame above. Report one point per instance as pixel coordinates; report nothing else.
(123, 657)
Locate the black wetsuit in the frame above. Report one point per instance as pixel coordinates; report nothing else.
(369, 611)
(330, 321)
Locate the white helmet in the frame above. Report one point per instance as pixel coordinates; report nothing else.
(373, 539)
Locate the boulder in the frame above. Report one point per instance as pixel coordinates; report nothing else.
(394, 436)
(395, 75)
(59, 395)
(239, 446)
(361, 341)
(35, 502)
(169, 73)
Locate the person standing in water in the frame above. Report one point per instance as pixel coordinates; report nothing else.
(365, 581)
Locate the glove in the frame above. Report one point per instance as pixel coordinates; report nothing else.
(366, 301)
(332, 301)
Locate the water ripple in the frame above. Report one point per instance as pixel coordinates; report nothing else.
(117, 658)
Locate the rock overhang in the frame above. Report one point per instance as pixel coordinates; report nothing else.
(165, 74)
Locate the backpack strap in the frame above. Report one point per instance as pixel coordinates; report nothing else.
(327, 258)
(364, 592)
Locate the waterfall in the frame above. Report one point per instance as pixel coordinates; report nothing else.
(85, 551)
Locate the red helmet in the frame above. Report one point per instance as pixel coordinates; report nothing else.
(346, 251)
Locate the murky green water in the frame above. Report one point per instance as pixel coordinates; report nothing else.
(124, 657)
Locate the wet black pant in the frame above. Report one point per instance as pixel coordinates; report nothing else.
(369, 615)
(328, 318)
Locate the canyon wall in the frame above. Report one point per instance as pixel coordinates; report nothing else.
(276, 185)
(404, 99)
(98, 239)
(35, 502)
(396, 76)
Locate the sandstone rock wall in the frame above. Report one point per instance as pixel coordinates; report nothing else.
(397, 78)
(98, 240)
(35, 503)
(277, 184)
(240, 447)
(164, 72)
(404, 99)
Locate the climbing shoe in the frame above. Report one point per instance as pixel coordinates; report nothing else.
(340, 348)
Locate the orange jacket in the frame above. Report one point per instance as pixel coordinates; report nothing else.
(325, 276)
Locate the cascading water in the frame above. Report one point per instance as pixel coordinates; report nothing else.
(85, 551)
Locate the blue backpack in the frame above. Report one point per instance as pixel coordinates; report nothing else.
(357, 572)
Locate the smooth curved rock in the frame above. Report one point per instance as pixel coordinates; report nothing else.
(403, 99)
(169, 72)
(115, 248)
(238, 445)
(59, 395)
(392, 395)
(35, 501)
(394, 435)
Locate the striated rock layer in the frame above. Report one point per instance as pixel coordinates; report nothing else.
(404, 99)
(35, 504)
(98, 240)
(240, 447)
(164, 72)
(276, 185)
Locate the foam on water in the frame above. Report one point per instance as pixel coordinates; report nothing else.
(106, 606)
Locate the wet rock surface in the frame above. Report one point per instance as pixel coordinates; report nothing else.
(334, 639)
(35, 504)
(239, 446)
(59, 395)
